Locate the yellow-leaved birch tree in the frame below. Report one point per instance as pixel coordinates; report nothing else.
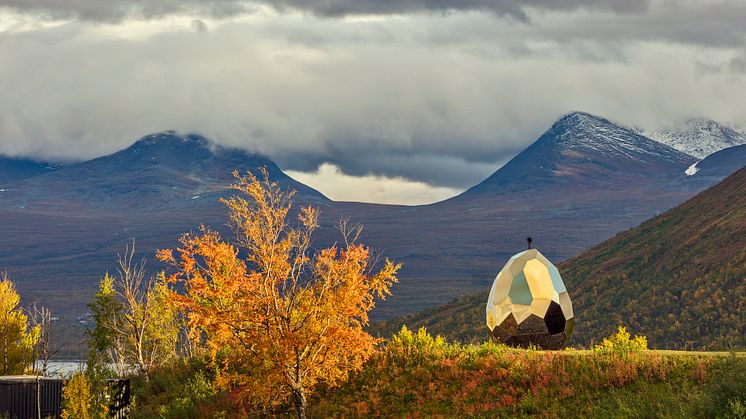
(277, 317)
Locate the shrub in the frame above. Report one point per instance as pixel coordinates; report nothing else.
(622, 344)
(407, 348)
(78, 401)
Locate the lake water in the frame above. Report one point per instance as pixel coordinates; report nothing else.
(63, 369)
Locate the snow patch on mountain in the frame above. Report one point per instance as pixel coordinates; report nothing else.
(698, 137)
(692, 170)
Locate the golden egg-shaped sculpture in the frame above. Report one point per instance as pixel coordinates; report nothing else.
(529, 304)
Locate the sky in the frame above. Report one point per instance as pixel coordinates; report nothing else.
(395, 101)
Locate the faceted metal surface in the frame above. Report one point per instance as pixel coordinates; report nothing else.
(529, 304)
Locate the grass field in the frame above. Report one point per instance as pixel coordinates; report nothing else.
(422, 376)
(418, 375)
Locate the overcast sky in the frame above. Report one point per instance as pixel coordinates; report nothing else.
(405, 101)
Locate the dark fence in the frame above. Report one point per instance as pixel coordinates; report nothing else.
(25, 397)
(18, 397)
(119, 405)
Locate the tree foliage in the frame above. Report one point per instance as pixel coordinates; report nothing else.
(136, 327)
(79, 401)
(41, 319)
(17, 340)
(278, 318)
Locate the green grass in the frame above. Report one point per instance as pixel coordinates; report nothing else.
(417, 375)
(451, 380)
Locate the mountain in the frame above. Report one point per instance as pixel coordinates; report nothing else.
(583, 152)
(720, 164)
(678, 278)
(163, 171)
(13, 169)
(583, 181)
(579, 183)
(699, 137)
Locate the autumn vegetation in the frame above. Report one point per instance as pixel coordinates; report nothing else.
(264, 323)
(278, 319)
(419, 375)
(17, 339)
(262, 319)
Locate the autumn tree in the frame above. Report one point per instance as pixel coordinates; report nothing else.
(277, 317)
(104, 342)
(41, 318)
(17, 340)
(136, 326)
(79, 401)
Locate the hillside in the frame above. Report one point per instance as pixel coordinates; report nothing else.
(14, 169)
(492, 381)
(63, 229)
(416, 375)
(679, 279)
(720, 164)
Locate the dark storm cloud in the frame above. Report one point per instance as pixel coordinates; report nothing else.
(442, 98)
(117, 10)
(513, 8)
(456, 168)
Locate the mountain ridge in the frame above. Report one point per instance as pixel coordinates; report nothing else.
(699, 137)
(581, 150)
(157, 171)
(92, 210)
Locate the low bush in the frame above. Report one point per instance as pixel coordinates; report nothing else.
(621, 343)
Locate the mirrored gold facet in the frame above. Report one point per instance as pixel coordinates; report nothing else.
(566, 304)
(521, 312)
(538, 279)
(500, 288)
(529, 304)
(540, 306)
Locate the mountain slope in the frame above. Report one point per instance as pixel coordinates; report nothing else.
(720, 164)
(699, 137)
(66, 227)
(679, 279)
(14, 169)
(581, 152)
(158, 172)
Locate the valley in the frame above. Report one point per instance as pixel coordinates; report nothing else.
(580, 183)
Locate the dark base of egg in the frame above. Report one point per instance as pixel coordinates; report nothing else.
(548, 333)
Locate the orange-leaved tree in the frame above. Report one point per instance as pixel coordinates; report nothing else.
(277, 317)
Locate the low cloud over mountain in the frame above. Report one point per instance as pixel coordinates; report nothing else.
(440, 92)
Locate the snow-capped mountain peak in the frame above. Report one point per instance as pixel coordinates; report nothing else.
(698, 137)
(581, 151)
(580, 131)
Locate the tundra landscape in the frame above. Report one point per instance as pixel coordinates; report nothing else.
(351, 208)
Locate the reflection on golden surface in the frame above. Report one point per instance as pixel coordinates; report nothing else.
(529, 304)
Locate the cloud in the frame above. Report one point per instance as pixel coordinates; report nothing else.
(512, 8)
(438, 99)
(118, 10)
(370, 188)
(199, 25)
